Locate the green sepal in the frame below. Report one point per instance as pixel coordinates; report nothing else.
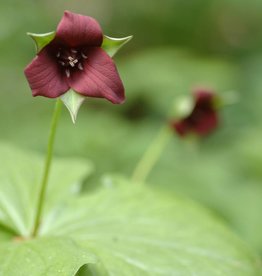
(112, 45)
(182, 107)
(41, 40)
(72, 101)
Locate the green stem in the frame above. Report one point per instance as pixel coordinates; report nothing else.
(48, 161)
(152, 154)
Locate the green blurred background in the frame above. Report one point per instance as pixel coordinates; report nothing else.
(178, 45)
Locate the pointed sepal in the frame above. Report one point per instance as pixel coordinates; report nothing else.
(73, 102)
(112, 45)
(41, 40)
(182, 107)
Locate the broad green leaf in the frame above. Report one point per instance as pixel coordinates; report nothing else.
(41, 40)
(20, 177)
(132, 230)
(136, 231)
(73, 102)
(92, 269)
(44, 256)
(112, 45)
(6, 233)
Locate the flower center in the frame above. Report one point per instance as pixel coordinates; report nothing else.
(70, 59)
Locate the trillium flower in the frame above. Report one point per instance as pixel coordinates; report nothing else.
(77, 58)
(203, 118)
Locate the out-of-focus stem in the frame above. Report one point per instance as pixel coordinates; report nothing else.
(152, 154)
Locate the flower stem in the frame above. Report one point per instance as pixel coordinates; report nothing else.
(48, 161)
(152, 154)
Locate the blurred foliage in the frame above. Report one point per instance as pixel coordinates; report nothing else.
(109, 231)
(178, 45)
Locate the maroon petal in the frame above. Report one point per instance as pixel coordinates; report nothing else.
(206, 124)
(44, 76)
(79, 30)
(203, 95)
(181, 127)
(99, 77)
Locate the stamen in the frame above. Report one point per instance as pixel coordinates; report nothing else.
(80, 66)
(67, 71)
(83, 55)
(70, 59)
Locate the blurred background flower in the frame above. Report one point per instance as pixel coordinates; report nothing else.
(177, 45)
(202, 119)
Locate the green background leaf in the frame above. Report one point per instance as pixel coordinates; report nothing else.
(44, 256)
(20, 177)
(131, 229)
(135, 231)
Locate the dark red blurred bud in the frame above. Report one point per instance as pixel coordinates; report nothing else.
(203, 119)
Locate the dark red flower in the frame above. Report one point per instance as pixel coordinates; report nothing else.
(203, 119)
(74, 59)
